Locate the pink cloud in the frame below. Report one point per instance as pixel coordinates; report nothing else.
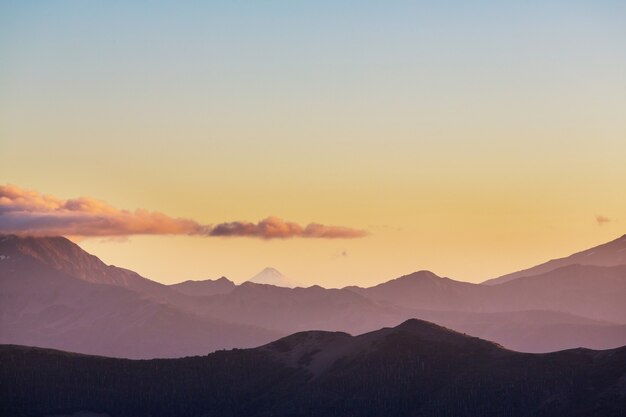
(273, 227)
(28, 212)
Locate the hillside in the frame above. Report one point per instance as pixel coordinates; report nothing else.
(416, 368)
(44, 305)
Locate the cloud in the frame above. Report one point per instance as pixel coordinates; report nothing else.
(601, 220)
(28, 212)
(274, 227)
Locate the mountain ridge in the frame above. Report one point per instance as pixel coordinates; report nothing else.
(47, 306)
(564, 308)
(611, 253)
(204, 287)
(64, 255)
(414, 368)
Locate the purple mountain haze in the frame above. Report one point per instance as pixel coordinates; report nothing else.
(54, 294)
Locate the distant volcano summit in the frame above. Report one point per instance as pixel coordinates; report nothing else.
(271, 276)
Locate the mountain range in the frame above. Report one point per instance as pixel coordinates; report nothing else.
(415, 368)
(55, 295)
(609, 254)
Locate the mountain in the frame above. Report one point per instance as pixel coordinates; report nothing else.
(271, 276)
(205, 287)
(416, 368)
(61, 254)
(596, 292)
(53, 294)
(565, 308)
(424, 290)
(525, 316)
(608, 254)
(48, 299)
(536, 331)
(293, 309)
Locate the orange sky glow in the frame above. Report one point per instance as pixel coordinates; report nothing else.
(338, 146)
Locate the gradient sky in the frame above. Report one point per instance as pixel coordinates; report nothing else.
(468, 139)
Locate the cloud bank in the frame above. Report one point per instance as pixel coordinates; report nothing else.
(27, 212)
(273, 227)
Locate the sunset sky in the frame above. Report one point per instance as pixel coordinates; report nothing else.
(467, 139)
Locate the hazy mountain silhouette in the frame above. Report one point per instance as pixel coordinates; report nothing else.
(288, 310)
(53, 294)
(608, 254)
(205, 287)
(41, 304)
(596, 292)
(61, 254)
(536, 331)
(512, 316)
(271, 276)
(425, 290)
(416, 368)
(571, 307)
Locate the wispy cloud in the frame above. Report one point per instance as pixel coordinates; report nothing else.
(28, 212)
(602, 220)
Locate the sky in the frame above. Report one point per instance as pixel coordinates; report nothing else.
(468, 139)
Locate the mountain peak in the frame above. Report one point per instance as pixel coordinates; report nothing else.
(416, 324)
(317, 351)
(271, 276)
(423, 327)
(55, 251)
(433, 333)
(414, 277)
(61, 254)
(424, 273)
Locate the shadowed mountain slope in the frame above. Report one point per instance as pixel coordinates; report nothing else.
(416, 368)
(63, 255)
(45, 306)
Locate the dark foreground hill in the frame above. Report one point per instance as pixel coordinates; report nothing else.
(416, 368)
